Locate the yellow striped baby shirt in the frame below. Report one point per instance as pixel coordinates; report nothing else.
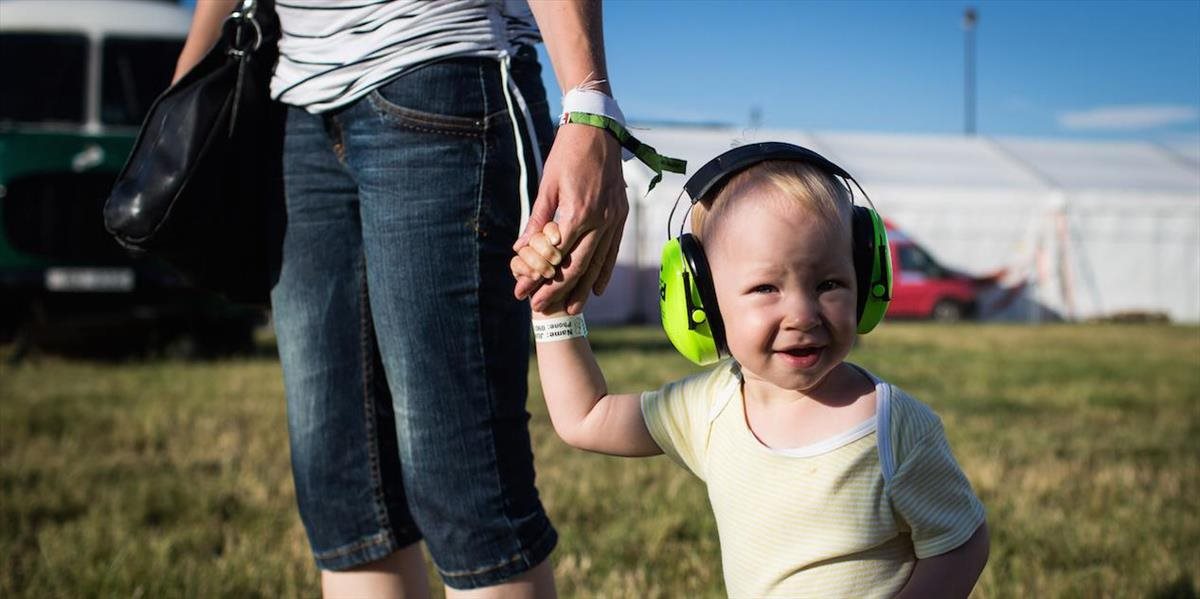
(845, 517)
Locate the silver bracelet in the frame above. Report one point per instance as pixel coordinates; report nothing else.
(559, 328)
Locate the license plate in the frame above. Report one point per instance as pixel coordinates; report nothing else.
(90, 279)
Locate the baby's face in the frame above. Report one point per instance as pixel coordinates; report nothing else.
(785, 284)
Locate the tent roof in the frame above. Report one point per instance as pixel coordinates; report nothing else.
(1188, 151)
(960, 163)
(1107, 165)
(924, 161)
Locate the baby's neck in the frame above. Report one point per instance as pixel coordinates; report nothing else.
(788, 419)
(843, 386)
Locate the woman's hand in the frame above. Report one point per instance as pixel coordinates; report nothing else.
(583, 190)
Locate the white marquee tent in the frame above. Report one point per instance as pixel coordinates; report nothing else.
(1078, 229)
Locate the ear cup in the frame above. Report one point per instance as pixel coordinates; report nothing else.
(697, 262)
(872, 267)
(687, 302)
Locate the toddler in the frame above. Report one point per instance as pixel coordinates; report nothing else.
(825, 480)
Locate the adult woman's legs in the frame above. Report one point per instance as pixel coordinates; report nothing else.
(537, 583)
(400, 575)
(435, 161)
(400, 226)
(345, 464)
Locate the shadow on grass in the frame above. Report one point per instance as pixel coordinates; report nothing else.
(1182, 588)
(122, 342)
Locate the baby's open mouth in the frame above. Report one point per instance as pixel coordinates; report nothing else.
(801, 357)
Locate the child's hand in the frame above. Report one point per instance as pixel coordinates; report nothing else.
(539, 259)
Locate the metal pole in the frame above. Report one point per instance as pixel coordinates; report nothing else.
(970, 17)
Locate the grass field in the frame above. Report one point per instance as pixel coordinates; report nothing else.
(171, 479)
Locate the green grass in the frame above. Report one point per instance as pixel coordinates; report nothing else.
(168, 478)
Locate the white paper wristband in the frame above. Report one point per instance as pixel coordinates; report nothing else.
(559, 328)
(593, 102)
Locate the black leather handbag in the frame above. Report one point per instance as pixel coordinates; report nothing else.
(203, 186)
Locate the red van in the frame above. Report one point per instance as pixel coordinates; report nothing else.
(922, 288)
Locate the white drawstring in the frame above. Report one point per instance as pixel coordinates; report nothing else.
(511, 90)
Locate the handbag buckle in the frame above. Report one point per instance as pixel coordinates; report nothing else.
(242, 32)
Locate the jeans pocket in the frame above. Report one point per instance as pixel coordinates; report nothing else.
(448, 97)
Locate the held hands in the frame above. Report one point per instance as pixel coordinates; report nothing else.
(583, 188)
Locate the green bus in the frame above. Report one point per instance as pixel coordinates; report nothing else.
(78, 77)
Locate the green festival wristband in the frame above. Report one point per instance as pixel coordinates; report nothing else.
(648, 155)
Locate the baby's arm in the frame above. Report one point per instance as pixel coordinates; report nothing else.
(951, 574)
(583, 412)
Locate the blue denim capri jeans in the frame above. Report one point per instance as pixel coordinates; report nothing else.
(404, 352)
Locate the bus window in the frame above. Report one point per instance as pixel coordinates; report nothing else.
(44, 78)
(133, 73)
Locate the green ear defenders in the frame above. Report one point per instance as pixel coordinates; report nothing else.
(687, 298)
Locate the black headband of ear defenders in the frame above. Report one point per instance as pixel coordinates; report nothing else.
(720, 169)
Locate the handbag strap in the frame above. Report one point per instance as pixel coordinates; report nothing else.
(244, 37)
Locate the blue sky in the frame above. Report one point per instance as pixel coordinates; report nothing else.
(1049, 69)
(1054, 69)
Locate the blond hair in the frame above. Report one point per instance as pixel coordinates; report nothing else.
(805, 188)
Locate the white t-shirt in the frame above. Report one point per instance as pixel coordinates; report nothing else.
(333, 52)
